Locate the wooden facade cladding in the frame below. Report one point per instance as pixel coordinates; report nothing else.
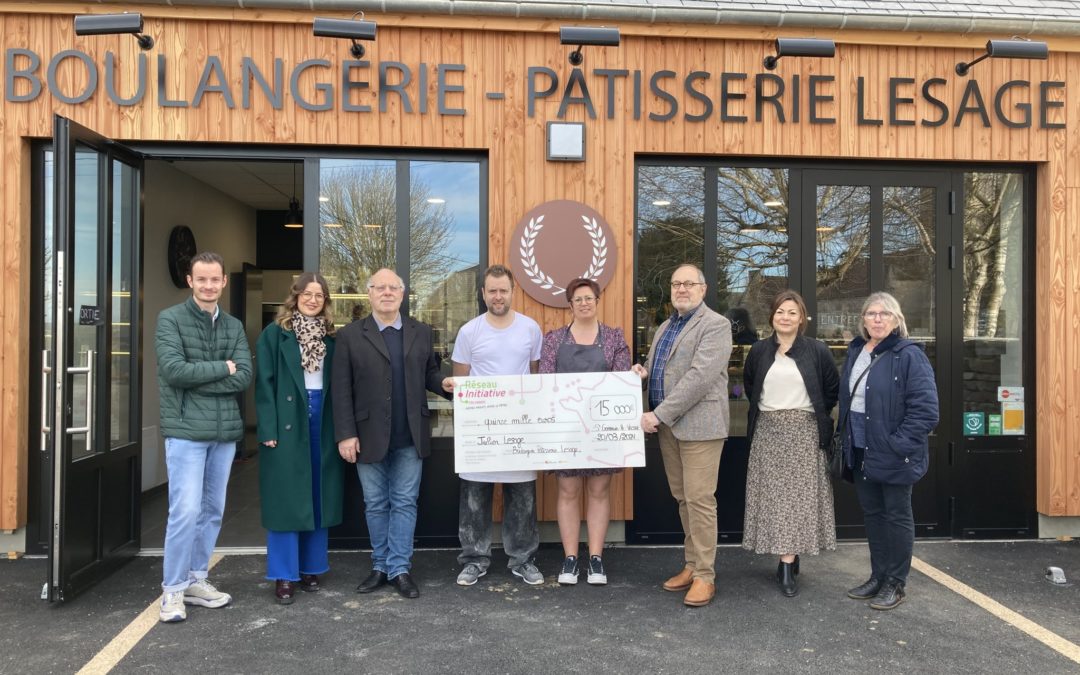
(497, 54)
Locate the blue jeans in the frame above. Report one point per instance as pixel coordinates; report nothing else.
(198, 476)
(391, 488)
(290, 554)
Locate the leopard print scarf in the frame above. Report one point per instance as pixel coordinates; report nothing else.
(310, 331)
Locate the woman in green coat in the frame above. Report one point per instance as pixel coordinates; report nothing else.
(300, 471)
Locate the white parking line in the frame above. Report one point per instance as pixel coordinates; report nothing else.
(111, 654)
(1069, 650)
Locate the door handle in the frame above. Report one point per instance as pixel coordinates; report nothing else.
(88, 429)
(46, 370)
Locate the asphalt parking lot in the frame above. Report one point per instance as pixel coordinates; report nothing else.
(631, 625)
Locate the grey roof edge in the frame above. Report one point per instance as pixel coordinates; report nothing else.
(663, 14)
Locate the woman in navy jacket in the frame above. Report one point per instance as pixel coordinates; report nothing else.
(886, 450)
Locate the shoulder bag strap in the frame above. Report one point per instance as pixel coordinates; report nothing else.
(873, 362)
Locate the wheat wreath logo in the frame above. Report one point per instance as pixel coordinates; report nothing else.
(559, 241)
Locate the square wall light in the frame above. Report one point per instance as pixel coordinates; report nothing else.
(566, 141)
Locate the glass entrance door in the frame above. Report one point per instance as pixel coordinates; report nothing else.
(883, 231)
(90, 367)
(992, 440)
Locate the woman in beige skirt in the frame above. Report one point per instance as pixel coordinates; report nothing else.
(792, 384)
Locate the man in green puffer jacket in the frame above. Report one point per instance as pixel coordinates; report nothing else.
(203, 363)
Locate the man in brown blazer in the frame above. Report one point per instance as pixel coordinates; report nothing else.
(688, 382)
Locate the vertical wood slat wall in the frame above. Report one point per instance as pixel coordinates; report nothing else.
(497, 53)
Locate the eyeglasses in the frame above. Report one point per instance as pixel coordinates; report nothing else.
(382, 288)
(688, 285)
(584, 300)
(308, 295)
(884, 316)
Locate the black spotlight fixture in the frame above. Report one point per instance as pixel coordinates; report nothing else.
(579, 36)
(800, 47)
(1016, 48)
(349, 29)
(113, 24)
(294, 219)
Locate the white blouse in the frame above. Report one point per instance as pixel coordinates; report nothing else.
(783, 387)
(314, 380)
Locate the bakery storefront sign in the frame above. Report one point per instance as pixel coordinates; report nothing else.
(557, 242)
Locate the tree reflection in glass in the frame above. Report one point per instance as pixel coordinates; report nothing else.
(993, 284)
(671, 221)
(843, 262)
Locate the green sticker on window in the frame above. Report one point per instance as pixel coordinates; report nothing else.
(974, 424)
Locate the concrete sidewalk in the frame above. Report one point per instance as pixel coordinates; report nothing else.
(630, 626)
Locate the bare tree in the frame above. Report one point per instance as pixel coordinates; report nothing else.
(359, 228)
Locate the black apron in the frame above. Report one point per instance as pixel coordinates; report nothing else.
(575, 358)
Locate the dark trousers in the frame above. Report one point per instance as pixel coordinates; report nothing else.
(520, 534)
(890, 525)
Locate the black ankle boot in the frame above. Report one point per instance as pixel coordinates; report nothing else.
(890, 596)
(867, 590)
(785, 575)
(796, 564)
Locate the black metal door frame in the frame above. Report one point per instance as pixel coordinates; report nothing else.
(930, 496)
(93, 500)
(958, 463)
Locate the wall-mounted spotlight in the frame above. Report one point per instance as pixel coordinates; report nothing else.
(800, 47)
(580, 36)
(350, 29)
(112, 24)
(1017, 48)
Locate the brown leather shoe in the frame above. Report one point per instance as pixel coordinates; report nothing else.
(681, 581)
(700, 594)
(284, 591)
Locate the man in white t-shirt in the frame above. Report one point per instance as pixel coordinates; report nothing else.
(498, 342)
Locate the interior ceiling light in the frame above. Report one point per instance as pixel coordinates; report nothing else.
(580, 36)
(773, 203)
(114, 24)
(800, 47)
(661, 202)
(436, 200)
(1016, 48)
(349, 29)
(294, 219)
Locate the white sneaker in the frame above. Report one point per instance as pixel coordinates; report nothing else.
(172, 607)
(596, 577)
(568, 575)
(203, 593)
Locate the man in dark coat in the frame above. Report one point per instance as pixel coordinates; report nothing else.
(382, 367)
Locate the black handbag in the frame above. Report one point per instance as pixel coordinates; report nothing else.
(834, 454)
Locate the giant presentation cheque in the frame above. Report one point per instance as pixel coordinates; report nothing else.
(554, 421)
